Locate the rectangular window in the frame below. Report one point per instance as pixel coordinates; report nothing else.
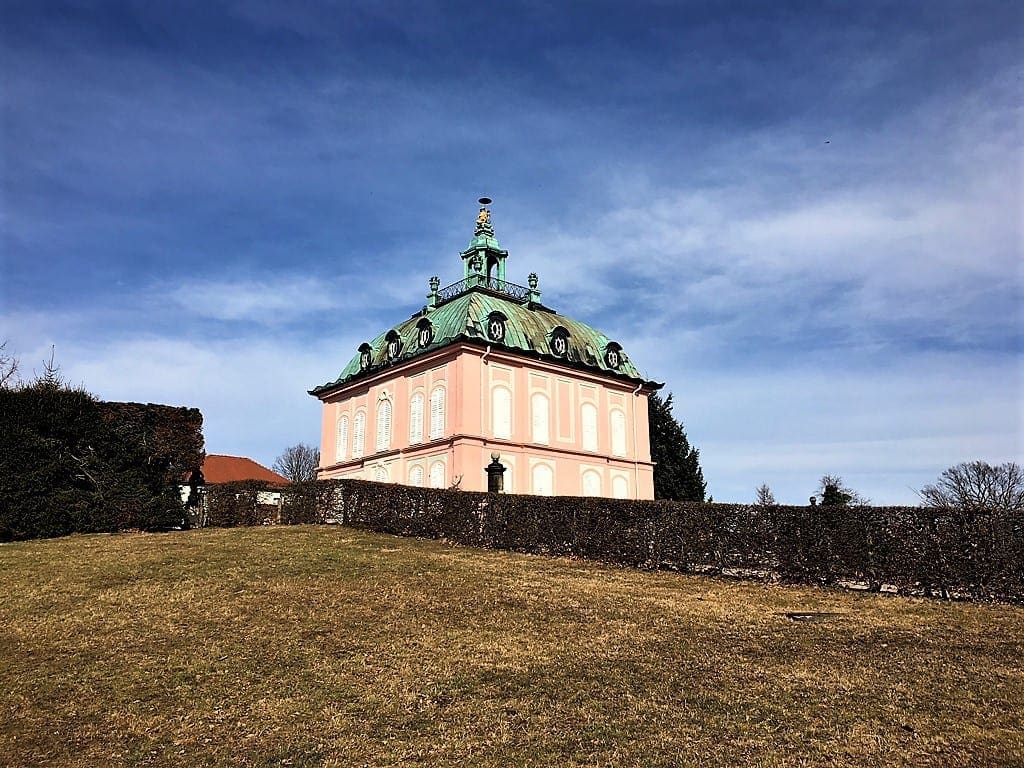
(541, 417)
(383, 425)
(341, 444)
(358, 434)
(416, 419)
(588, 419)
(501, 412)
(437, 413)
(618, 433)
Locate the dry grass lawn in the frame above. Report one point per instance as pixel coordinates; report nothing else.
(313, 646)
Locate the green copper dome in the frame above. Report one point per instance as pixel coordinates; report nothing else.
(485, 310)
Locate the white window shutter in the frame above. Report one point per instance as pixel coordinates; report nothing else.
(543, 480)
(501, 407)
(416, 419)
(437, 474)
(618, 433)
(416, 475)
(358, 434)
(341, 444)
(383, 425)
(540, 416)
(588, 417)
(437, 413)
(591, 483)
(620, 487)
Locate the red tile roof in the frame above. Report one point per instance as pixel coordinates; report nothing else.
(229, 469)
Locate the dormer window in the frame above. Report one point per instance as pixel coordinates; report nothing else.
(496, 326)
(365, 357)
(394, 345)
(613, 355)
(559, 342)
(424, 333)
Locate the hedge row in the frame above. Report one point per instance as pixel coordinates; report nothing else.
(70, 463)
(976, 554)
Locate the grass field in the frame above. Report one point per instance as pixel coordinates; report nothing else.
(327, 646)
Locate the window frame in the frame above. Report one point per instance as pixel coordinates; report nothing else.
(380, 443)
(359, 434)
(439, 432)
(495, 411)
(416, 437)
(341, 437)
(544, 430)
(618, 438)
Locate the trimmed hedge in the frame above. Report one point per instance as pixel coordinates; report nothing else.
(977, 554)
(70, 463)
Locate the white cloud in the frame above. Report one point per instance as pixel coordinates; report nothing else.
(890, 429)
(268, 302)
(252, 393)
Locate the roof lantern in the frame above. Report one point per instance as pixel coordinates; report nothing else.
(484, 260)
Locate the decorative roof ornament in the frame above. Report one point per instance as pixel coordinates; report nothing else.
(483, 219)
(485, 245)
(435, 283)
(533, 281)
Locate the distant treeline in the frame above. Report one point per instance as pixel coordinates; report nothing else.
(961, 553)
(71, 463)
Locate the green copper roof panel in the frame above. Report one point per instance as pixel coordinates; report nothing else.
(528, 329)
(464, 317)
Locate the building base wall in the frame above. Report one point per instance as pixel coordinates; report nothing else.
(530, 469)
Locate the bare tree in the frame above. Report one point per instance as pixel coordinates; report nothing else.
(833, 492)
(298, 463)
(977, 485)
(8, 367)
(765, 497)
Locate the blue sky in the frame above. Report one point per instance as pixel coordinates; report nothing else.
(804, 218)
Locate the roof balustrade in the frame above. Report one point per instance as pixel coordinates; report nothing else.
(511, 290)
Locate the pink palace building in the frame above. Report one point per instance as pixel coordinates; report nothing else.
(486, 368)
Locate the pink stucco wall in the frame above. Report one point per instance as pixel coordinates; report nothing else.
(616, 462)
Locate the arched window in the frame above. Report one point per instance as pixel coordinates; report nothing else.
(620, 487)
(588, 419)
(437, 413)
(383, 425)
(380, 474)
(416, 476)
(543, 480)
(358, 434)
(437, 474)
(416, 419)
(618, 433)
(539, 414)
(501, 412)
(341, 440)
(591, 483)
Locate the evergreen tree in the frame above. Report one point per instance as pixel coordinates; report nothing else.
(764, 496)
(833, 492)
(677, 472)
